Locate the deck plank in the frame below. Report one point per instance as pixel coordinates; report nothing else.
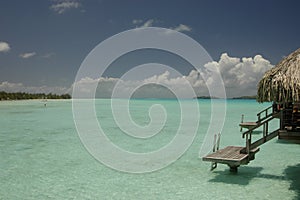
(230, 155)
(230, 152)
(248, 124)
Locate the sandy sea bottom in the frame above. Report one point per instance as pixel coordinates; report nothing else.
(42, 157)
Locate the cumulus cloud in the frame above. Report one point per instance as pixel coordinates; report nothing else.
(106, 86)
(240, 77)
(20, 87)
(4, 47)
(182, 28)
(61, 6)
(157, 86)
(27, 55)
(152, 87)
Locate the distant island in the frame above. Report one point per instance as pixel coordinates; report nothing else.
(241, 97)
(24, 96)
(245, 97)
(206, 97)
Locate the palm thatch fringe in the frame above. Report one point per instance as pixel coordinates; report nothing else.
(282, 82)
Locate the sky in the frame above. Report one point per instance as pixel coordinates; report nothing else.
(43, 43)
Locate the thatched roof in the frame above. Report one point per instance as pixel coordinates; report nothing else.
(282, 82)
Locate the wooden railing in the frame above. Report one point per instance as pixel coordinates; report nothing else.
(264, 114)
(266, 135)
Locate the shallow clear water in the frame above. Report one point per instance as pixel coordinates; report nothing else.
(42, 157)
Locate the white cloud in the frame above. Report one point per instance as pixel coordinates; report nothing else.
(27, 55)
(48, 55)
(60, 6)
(144, 24)
(152, 87)
(148, 23)
(240, 77)
(4, 47)
(137, 21)
(182, 28)
(20, 87)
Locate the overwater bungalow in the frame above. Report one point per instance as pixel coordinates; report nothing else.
(280, 85)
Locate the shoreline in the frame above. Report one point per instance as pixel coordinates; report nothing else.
(41, 100)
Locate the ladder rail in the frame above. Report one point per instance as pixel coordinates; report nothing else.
(215, 148)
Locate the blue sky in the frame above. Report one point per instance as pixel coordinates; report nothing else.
(42, 43)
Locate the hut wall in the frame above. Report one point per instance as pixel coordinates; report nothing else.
(290, 117)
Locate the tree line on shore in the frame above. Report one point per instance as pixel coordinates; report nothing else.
(24, 95)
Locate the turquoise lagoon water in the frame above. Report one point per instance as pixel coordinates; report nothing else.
(42, 157)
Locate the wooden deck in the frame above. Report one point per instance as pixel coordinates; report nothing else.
(248, 125)
(289, 135)
(232, 156)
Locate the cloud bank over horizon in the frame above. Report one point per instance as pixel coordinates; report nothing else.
(240, 77)
(20, 87)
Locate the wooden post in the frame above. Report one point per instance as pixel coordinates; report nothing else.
(248, 143)
(215, 148)
(281, 119)
(218, 141)
(215, 142)
(242, 120)
(233, 169)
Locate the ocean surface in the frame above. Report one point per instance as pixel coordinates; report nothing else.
(42, 157)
